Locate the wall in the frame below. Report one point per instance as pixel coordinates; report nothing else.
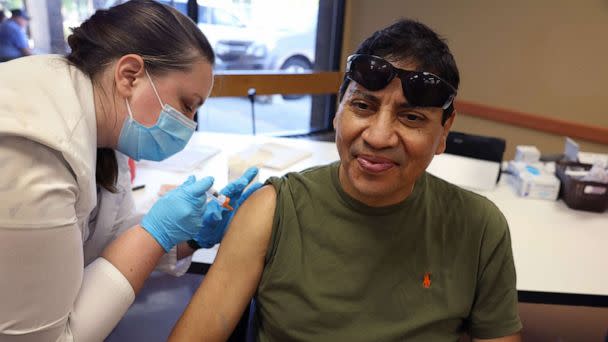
(543, 57)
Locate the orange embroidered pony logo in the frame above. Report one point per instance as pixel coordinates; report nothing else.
(426, 282)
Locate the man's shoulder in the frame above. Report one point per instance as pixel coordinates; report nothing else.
(312, 174)
(4, 29)
(11, 26)
(317, 170)
(462, 202)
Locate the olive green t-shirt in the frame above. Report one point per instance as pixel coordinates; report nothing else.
(426, 269)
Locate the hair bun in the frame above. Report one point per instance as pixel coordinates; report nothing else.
(74, 40)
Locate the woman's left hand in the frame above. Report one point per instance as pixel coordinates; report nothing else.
(216, 218)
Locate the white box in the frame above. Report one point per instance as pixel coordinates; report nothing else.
(527, 154)
(533, 181)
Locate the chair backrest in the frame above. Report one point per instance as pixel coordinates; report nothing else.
(476, 146)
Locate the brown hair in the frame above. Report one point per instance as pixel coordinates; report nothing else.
(165, 39)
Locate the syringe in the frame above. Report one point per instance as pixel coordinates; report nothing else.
(222, 200)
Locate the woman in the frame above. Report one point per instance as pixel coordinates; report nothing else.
(133, 80)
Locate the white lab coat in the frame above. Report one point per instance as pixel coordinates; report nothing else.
(53, 218)
(115, 213)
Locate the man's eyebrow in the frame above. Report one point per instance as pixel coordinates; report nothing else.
(372, 98)
(407, 105)
(367, 96)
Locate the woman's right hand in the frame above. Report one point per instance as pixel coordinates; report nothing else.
(176, 216)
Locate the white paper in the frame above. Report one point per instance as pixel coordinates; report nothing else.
(271, 155)
(471, 173)
(183, 161)
(600, 159)
(205, 255)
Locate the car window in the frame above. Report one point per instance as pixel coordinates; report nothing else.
(221, 17)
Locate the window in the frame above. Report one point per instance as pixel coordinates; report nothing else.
(276, 36)
(247, 36)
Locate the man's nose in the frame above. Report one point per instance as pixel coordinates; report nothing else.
(380, 132)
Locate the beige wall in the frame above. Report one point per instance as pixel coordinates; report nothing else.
(544, 57)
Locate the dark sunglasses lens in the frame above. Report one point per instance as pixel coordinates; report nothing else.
(426, 90)
(372, 73)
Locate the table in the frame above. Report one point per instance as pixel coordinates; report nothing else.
(560, 254)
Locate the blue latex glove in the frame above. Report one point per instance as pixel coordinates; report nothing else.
(176, 216)
(216, 218)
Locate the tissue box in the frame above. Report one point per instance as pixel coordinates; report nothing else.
(531, 180)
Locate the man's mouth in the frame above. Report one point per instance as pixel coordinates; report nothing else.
(373, 164)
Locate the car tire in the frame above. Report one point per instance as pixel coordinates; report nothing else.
(296, 64)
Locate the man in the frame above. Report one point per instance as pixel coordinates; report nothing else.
(13, 40)
(370, 248)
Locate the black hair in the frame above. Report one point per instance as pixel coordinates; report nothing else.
(412, 41)
(164, 38)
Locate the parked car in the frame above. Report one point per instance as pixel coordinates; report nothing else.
(293, 52)
(239, 46)
(236, 45)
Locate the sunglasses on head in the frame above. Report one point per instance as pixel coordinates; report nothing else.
(420, 88)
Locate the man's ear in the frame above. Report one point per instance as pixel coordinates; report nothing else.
(444, 134)
(128, 70)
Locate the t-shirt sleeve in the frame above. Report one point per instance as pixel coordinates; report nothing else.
(279, 184)
(495, 311)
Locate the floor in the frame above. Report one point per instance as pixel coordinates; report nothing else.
(156, 309)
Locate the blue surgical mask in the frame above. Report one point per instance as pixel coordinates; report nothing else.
(168, 136)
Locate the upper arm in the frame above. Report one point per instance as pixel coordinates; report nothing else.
(45, 291)
(495, 310)
(37, 187)
(233, 278)
(40, 242)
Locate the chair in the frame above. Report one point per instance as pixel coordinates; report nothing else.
(476, 146)
(244, 330)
